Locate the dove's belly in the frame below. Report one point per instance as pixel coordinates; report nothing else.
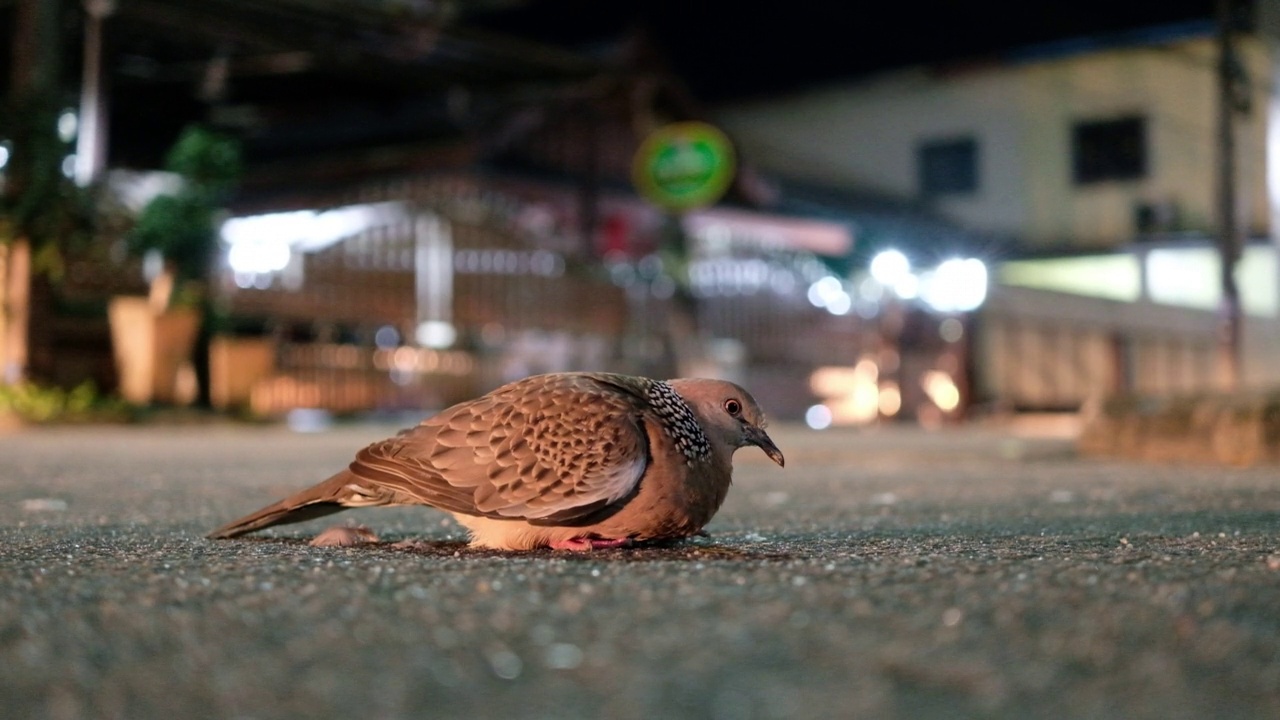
(511, 534)
(664, 508)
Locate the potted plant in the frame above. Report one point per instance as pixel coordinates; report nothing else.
(43, 214)
(161, 341)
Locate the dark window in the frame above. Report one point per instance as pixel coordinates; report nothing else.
(948, 166)
(1109, 150)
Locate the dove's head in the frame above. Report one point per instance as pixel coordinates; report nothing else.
(727, 413)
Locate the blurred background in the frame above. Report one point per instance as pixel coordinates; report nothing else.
(921, 212)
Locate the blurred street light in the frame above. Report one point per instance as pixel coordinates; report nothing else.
(955, 286)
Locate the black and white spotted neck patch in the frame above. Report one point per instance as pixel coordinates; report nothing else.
(678, 421)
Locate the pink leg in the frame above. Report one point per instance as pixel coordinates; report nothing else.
(344, 536)
(587, 544)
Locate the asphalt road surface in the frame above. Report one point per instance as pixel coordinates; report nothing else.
(887, 573)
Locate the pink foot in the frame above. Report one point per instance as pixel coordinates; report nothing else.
(343, 536)
(586, 544)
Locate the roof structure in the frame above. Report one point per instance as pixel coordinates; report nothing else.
(321, 91)
(296, 76)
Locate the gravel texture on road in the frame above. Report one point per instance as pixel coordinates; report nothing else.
(883, 573)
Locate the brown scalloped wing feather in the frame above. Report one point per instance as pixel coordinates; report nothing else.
(551, 448)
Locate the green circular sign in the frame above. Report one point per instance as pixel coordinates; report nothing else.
(684, 165)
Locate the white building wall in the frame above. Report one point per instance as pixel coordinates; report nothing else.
(865, 136)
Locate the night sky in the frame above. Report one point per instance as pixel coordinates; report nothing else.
(727, 50)
(724, 50)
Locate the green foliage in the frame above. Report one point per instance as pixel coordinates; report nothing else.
(210, 162)
(182, 226)
(38, 404)
(39, 203)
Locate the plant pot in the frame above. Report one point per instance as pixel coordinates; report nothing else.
(235, 366)
(153, 350)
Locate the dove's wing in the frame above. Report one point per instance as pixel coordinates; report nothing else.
(548, 449)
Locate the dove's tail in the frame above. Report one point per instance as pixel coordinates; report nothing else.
(314, 502)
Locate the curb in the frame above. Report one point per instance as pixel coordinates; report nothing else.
(1239, 430)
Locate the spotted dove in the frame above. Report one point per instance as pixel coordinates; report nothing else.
(573, 461)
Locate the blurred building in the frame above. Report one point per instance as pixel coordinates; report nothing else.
(434, 203)
(1093, 166)
(1083, 145)
(435, 288)
(430, 207)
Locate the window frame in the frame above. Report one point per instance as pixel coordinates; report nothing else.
(963, 149)
(1111, 149)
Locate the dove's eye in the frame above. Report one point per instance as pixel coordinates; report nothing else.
(733, 407)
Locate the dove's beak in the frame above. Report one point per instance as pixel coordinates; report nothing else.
(756, 436)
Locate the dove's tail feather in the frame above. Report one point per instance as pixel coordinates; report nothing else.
(314, 502)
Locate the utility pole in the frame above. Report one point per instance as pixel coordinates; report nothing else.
(91, 142)
(1232, 99)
